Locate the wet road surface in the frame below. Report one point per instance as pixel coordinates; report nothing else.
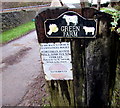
(20, 65)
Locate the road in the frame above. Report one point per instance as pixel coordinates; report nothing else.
(20, 66)
(24, 8)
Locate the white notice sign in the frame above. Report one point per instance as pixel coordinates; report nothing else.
(56, 58)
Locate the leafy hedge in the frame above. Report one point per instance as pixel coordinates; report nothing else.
(115, 15)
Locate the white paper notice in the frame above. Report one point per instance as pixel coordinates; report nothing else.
(56, 58)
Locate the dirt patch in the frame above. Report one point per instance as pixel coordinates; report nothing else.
(36, 95)
(16, 58)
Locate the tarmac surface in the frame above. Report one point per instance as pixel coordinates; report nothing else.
(20, 66)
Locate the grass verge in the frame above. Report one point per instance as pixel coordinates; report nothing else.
(16, 32)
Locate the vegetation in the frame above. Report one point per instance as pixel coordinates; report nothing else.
(116, 92)
(117, 8)
(16, 32)
(114, 13)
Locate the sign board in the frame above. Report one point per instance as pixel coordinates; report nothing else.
(56, 58)
(70, 25)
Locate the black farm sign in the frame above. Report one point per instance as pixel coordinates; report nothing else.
(70, 25)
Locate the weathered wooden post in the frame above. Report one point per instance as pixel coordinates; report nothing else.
(61, 91)
(68, 36)
(101, 59)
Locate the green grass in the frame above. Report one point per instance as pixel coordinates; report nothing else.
(16, 32)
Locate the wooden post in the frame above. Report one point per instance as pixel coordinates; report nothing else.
(100, 65)
(64, 93)
(78, 71)
(61, 92)
(91, 60)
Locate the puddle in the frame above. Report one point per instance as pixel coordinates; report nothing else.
(16, 58)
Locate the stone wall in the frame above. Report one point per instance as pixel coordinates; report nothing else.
(14, 19)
